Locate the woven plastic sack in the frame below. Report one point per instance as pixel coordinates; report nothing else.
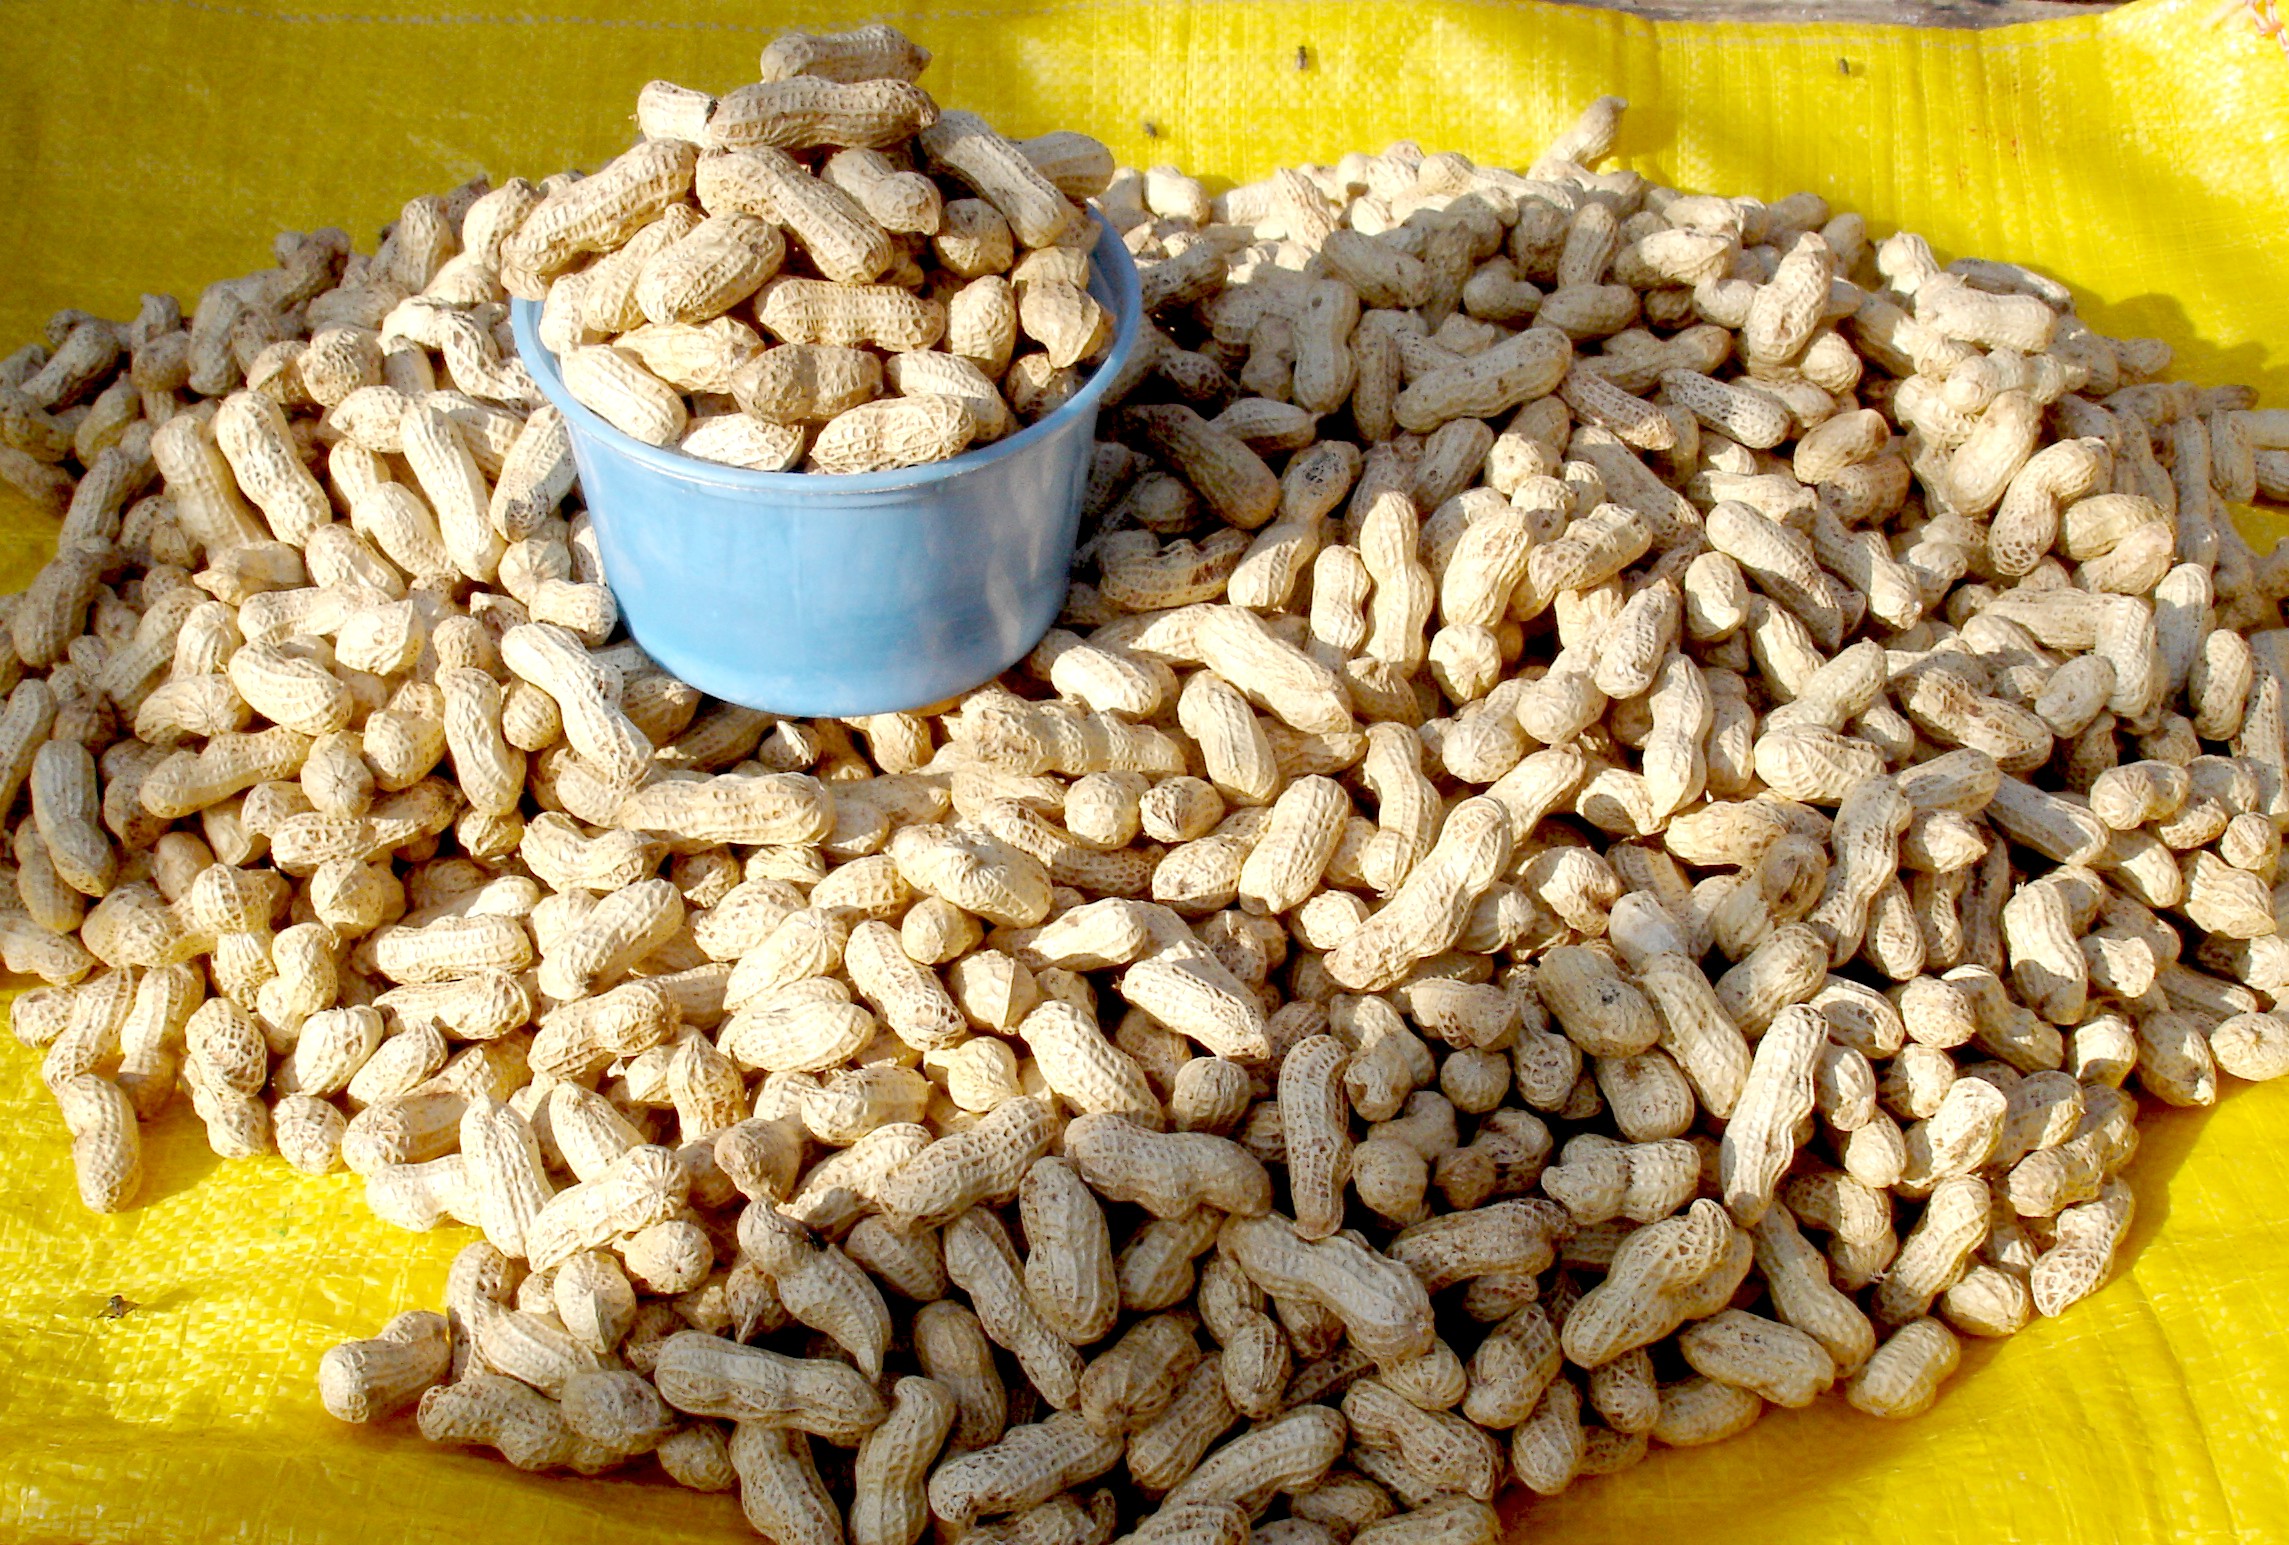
(2139, 155)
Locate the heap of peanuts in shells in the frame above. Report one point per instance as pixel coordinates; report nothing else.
(1339, 1064)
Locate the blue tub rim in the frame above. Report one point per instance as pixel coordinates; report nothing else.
(1119, 273)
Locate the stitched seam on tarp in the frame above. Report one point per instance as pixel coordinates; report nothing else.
(1776, 34)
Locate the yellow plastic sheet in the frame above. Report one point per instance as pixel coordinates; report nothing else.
(2139, 155)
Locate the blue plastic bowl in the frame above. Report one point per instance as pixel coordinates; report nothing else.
(827, 596)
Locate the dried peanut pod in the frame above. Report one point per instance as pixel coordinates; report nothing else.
(893, 432)
(1290, 1450)
(1737, 409)
(499, 1412)
(1428, 910)
(1383, 1305)
(2083, 1257)
(796, 310)
(1155, 1269)
(207, 505)
(1647, 1288)
(800, 111)
(895, 200)
(1169, 1174)
(877, 51)
(987, 1162)
(614, 384)
(698, 1456)
(2250, 1046)
(889, 1506)
(363, 1381)
(1441, 1521)
(1021, 1469)
(1127, 1386)
(107, 1153)
(953, 1351)
(1065, 319)
(642, 1187)
(528, 1345)
(252, 434)
(819, 1286)
(594, 1300)
(1069, 1271)
(910, 1262)
(1442, 1447)
(600, 212)
(1230, 476)
(606, 291)
(1773, 1361)
(780, 1491)
(832, 228)
(711, 268)
(617, 1410)
(1525, 366)
(1955, 1221)
(2175, 1063)
(504, 1172)
(1085, 1070)
(1289, 858)
(710, 1376)
(67, 810)
(1903, 1377)
(1596, 1009)
(999, 172)
(665, 110)
(1702, 1410)
(981, 1261)
(1781, 318)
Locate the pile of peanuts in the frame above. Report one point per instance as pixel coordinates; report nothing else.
(1628, 786)
(648, 318)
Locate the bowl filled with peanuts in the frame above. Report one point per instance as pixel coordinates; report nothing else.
(828, 362)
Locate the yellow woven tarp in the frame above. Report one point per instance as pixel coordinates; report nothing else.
(2140, 155)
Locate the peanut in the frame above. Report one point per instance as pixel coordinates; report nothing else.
(363, 1381)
